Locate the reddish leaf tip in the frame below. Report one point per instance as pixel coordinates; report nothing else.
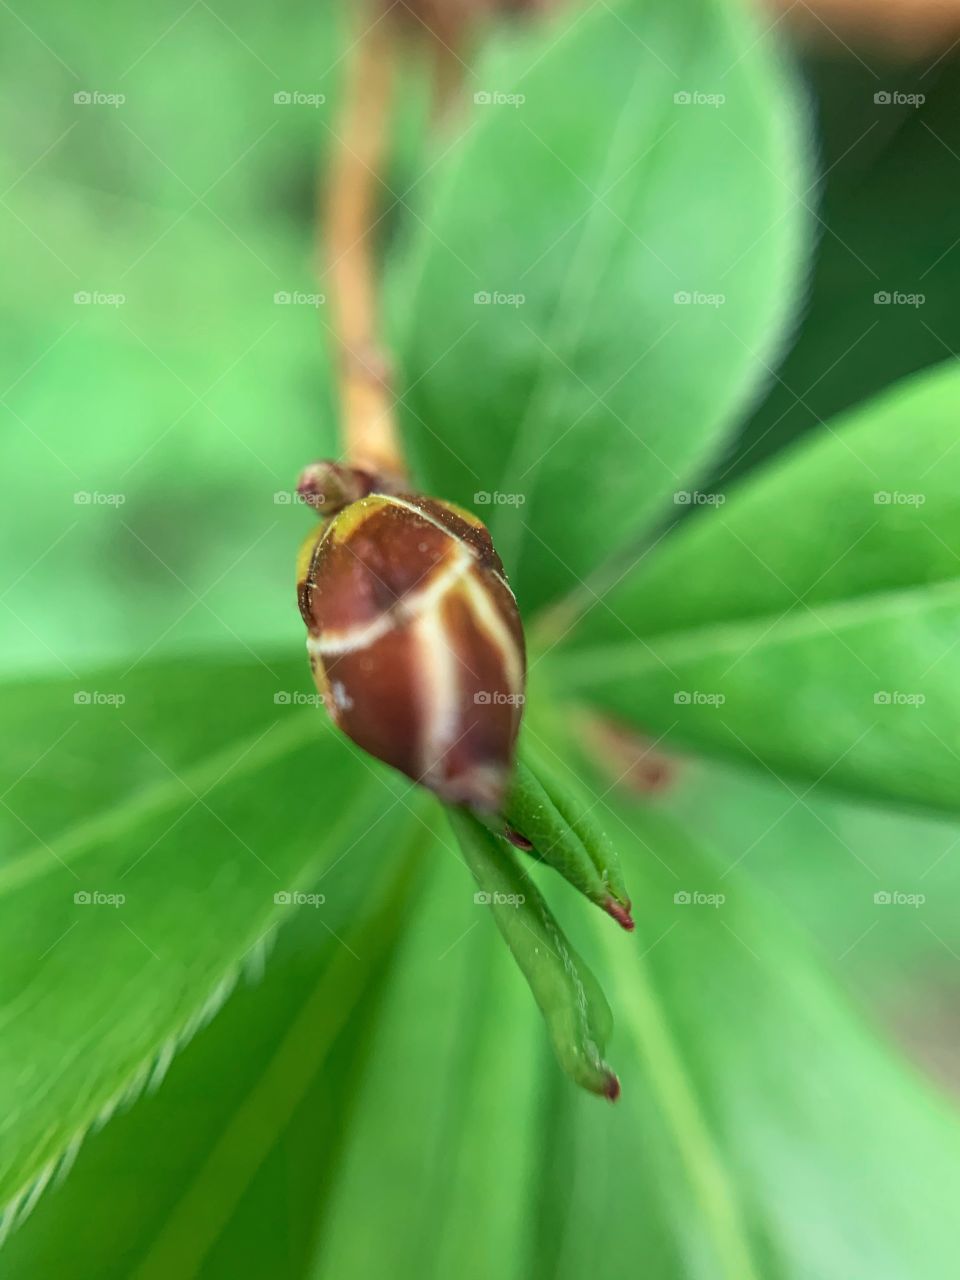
(611, 1089)
(620, 913)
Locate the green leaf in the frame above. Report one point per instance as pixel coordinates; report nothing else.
(571, 417)
(809, 625)
(443, 1164)
(875, 888)
(223, 1169)
(569, 997)
(146, 845)
(751, 1098)
(750, 1105)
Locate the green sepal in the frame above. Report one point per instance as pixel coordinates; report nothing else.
(556, 818)
(574, 1007)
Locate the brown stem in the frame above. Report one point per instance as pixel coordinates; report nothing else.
(347, 214)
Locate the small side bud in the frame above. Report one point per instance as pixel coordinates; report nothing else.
(416, 643)
(328, 487)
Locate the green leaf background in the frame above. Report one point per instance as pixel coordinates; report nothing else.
(364, 1083)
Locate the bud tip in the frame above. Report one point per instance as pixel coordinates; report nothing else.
(611, 1089)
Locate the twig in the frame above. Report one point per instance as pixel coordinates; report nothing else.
(347, 213)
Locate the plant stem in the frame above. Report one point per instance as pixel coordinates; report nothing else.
(347, 214)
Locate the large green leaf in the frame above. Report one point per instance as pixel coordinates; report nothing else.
(443, 1157)
(811, 623)
(874, 888)
(221, 1169)
(749, 1108)
(613, 192)
(145, 845)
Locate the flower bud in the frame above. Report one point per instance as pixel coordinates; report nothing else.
(415, 642)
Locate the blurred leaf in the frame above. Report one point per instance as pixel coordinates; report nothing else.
(220, 1170)
(598, 392)
(195, 399)
(147, 843)
(811, 624)
(874, 888)
(753, 1098)
(444, 1153)
(750, 1105)
(890, 172)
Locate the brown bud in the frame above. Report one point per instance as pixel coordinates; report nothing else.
(415, 642)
